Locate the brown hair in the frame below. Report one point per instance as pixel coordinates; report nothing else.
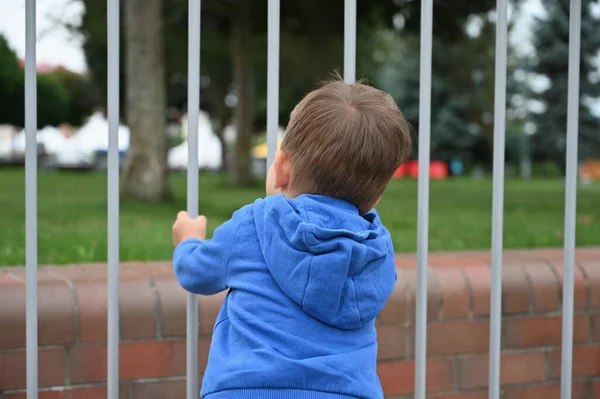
(346, 141)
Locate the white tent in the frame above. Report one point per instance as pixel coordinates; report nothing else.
(6, 141)
(18, 143)
(53, 140)
(209, 146)
(93, 136)
(78, 150)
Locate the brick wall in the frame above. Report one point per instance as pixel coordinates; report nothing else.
(72, 329)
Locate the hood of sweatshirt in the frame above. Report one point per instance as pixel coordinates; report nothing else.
(337, 265)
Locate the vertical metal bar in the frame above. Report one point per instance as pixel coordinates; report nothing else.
(31, 335)
(498, 198)
(570, 198)
(113, 199)
(349, 41)
(272, 80)
(423, 197)
(192, 183)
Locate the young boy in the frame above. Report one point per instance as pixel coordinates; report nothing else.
(309, 267)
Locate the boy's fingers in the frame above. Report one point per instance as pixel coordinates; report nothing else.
(181, 214)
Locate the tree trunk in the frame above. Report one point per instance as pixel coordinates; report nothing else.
(243, 72)
(220, 116)
(146, 173)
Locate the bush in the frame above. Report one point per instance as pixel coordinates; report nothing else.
(63, 96)
(546, 169)
(81, 93)
(11, 86)
(52, 101)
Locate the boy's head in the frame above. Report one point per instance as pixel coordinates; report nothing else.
(344, 141)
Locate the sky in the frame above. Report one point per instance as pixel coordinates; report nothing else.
(56, 45)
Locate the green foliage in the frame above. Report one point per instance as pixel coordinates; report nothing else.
(546, 169)
(551, 41)
(311, 44)
(82, 95)
(11, 86)
(458, 102)
(53, 100)
(62, 96)
(94, 30)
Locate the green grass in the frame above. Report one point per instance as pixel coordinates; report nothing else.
(72, 215)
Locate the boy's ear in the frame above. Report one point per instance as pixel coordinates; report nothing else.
(282, 167)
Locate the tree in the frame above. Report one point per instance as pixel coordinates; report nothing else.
(11, 86)
(145, 175)
(462, 93)
(551, 41)
(59, 101)
(462, 96)
(311, 47)
(53, 100)
(83, 96)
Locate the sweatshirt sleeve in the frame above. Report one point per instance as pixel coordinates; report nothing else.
(201, 265)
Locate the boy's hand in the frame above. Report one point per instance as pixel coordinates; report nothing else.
(185, 228)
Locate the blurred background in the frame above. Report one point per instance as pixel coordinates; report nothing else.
(73, 130)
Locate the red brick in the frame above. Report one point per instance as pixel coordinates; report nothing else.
(209, 310)
(589, 253)
(56, 321)
(480, 281)
(516, 297)
(592, 274)
(456, 337)
(398, 378)
(405, 261)
(158, 268)
(56, 313)
(92, 304)
(579, 391)
(80, 272)
(543, 331)
(596, 389)
(586, 362)
(433, 296)
(455, 293)
(137, 309)
(173, 306)
(463, 258)
(472, 371)
(136, 360)
(8, 279)
(461, 395)
(95, 392)
(396, 307)
(152, 359)
(545, 287)
(392, 341)
(51, 365)
(580, 296)
(159, 390)
(203, 350)
(596, 327)
(12, 317)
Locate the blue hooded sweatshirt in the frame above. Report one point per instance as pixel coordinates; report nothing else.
(306, 278)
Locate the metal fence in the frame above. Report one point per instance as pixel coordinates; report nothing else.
(272, 126)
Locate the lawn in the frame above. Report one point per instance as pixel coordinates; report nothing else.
(72, 215)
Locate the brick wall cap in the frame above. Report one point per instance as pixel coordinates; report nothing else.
(152, 304)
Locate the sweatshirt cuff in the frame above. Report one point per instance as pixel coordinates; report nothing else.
(185, 243)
